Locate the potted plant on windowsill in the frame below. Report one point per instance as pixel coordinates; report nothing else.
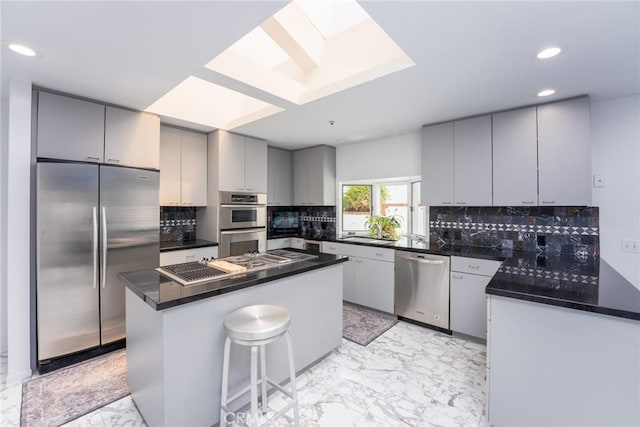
(383, 227)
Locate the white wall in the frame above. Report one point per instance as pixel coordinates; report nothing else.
(16, 262)
(4, 137)
(396, 156)
(615, 135)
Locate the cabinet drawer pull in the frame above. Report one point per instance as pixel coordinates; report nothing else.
(457, 276)
(97, 159)
(548, 202)
(527, 203)
(379, 254)
(474, 267)
(113, 161)
(332, 248)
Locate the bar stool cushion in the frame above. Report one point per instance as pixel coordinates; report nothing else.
(257, 322)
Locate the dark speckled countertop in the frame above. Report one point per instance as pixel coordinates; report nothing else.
(162, 293)
(178, 245)
(587, 284)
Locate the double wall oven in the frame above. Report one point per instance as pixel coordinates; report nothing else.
(242, 223)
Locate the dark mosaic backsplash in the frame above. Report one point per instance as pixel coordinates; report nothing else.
(549, 230)
(177, 223)
(316, 222)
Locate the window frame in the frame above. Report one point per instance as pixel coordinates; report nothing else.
(342, 211)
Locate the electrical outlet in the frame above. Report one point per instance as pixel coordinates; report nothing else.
(631, 246)
(598, 181)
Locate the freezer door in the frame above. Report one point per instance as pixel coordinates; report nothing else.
(129, 237)
(67, 258)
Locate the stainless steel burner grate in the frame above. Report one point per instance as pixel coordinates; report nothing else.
(190, 273)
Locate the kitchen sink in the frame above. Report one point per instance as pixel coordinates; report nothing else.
(370, 240)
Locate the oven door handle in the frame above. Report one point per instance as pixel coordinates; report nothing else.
(253, 230)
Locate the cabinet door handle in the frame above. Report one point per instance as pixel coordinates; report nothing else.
(548, 202)
(457, 276)
(249, 189)
(446, 203)
(527, 202)
(461, 203)
(96, 159)
(474, 267)
(113, 161)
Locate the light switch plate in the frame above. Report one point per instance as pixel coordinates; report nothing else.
(631, 246)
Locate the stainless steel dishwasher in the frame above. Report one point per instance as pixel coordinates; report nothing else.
(422, 288)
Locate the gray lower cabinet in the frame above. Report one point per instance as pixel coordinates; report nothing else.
(368, 276)
(549, 365)
(468, 307)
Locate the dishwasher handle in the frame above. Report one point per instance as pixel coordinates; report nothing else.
(425, 261)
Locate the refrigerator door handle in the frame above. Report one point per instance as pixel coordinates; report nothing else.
(104, 247)
(95, 246)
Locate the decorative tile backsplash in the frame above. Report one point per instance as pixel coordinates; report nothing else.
(316, 222)
(177, 223)
(543, 229)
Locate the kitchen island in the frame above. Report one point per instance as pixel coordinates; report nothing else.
(175, 334)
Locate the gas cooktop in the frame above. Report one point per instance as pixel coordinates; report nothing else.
(194, 273)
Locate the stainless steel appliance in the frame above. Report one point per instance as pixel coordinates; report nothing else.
(195, 273)
(242, 222)
(242, 210)
(93, 222)
(422, 288)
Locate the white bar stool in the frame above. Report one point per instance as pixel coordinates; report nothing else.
(256, 326)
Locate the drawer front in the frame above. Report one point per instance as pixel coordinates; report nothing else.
(375, 253)
(482, 267)
(335, 248)
(187, 255)
(278, 243)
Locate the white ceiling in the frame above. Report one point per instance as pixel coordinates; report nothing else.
(472, 58)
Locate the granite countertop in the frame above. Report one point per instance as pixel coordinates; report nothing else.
(177, 245)
(162, 293)
(580, 283)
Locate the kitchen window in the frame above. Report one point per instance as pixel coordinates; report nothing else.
(356, 207)
(388, 198)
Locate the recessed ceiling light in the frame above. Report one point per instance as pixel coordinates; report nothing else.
(22, 50)
(549, 52)
(546, 92)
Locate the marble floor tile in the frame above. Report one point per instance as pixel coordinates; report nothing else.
(10, 403)
(409, 376)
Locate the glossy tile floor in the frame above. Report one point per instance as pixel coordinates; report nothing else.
(409, 376)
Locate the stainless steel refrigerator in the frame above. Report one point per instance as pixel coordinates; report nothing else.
(93, 222)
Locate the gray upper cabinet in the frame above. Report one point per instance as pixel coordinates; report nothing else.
(193, 170)
(437, 164)
(472, 162)
(242, 163)
(515, 158)
(132, 138)
(255, 165)
(279, 177)
(564, 153)
(314, 172)
(170, 166)
(69, 128)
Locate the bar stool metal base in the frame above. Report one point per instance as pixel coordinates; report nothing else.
(257, 415)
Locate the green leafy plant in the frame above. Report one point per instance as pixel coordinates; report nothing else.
(383, 227)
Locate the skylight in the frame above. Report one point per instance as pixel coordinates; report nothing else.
(199, 101)
(311, 49)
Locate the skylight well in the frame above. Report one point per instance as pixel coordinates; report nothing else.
(311, 49)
